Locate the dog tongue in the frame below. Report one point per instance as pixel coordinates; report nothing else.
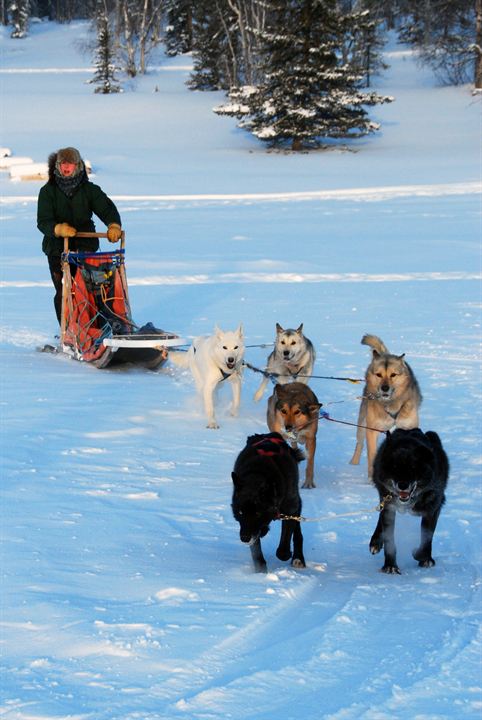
(403, 495)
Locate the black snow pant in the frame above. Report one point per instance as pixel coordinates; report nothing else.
(55, 268)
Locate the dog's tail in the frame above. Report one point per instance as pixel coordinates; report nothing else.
(375, 343)
(179, 358)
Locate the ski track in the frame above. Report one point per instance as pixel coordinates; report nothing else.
(368, 194)
(275, 278)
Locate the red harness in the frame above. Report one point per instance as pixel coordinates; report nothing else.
(270, 446)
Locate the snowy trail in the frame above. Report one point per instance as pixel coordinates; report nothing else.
(368, 194)
(273, 278)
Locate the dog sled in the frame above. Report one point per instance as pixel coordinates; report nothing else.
(96, 320)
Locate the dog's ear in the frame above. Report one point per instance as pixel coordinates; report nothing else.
(314, 407)
(280, 390)
(300, 329)
(240, 330)
(401, 357)
(375, 354)
(279, 329)
(217, 330)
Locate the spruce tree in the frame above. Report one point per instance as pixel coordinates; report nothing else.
(364, 43)
(215, 46)
(20, 13)
(104, 76)
(178, 31)
(306, 92)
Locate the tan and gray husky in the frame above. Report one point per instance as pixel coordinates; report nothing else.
(391, 398)
(293, 411)
(291, 360)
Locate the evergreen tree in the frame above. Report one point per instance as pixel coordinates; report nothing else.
(208, 48)
(104, 63)
(19, 13)
(178, 31)
(307, 92)
(217, 62)
(365, 40)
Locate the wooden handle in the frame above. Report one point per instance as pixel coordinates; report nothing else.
(93, 235)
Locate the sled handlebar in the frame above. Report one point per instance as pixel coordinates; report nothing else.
(94, 235)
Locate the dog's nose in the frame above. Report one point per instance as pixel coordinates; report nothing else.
(385, 387)
(286, 353)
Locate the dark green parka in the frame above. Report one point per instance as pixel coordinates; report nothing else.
(55, 207)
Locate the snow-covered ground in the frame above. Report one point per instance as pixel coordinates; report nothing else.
(126, 594)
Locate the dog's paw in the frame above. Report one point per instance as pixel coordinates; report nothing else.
(258, 395)
(308, 484)
(426, 562)
(212, 425)
(391, 570)
(298, 563)
(430, 562)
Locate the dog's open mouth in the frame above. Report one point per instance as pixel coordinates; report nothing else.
(230, 364)
(385, 395)
(406, 495)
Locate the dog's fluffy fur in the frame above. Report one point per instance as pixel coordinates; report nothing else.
(410, 473)
(292, 358)
(293, 411)
(212, 360)
(265, 479)
(391, 398)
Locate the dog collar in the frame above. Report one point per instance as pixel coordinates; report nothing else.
(224, 374)
(392, 415)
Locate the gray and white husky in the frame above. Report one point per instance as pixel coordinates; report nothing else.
(212, 360)
(291, 360)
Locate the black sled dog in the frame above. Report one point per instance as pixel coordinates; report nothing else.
(410, 473)
(265, 478)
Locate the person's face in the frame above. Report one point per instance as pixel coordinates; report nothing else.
(67, 169)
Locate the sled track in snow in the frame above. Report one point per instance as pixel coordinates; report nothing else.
(274, 278)
(369, 194)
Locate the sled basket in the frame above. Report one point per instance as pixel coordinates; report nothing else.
(96, 321)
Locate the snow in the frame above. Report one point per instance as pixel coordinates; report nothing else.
(126, 593)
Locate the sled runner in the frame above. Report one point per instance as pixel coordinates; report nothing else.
(96, 321)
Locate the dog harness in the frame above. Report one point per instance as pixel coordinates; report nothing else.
(270, 446)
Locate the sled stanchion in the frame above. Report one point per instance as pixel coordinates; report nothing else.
(66, 295)
(64, 292)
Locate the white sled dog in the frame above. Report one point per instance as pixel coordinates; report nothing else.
(212, 360)
(291, 360)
